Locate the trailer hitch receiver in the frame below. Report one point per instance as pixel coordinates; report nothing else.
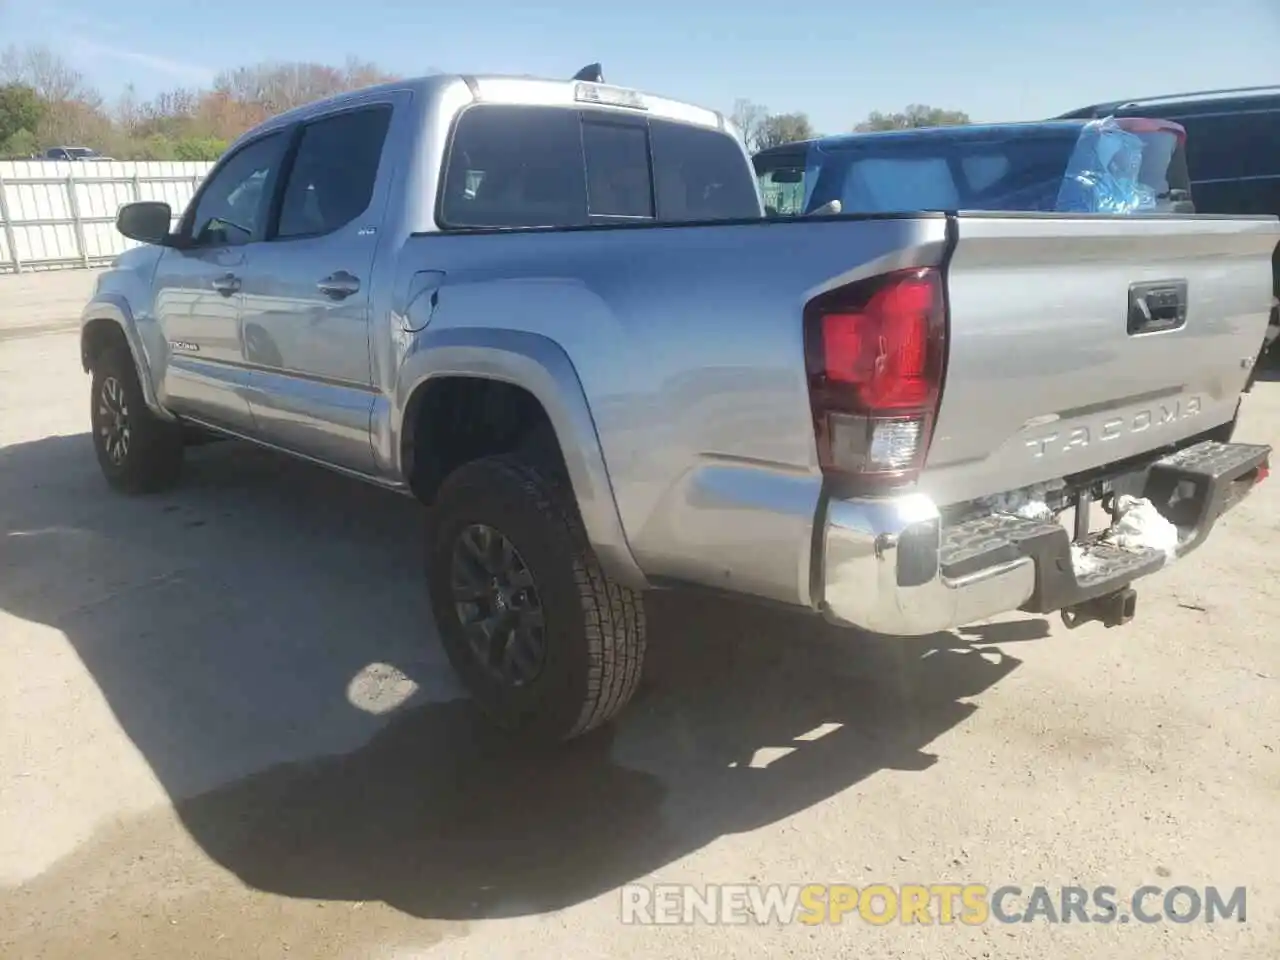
(1111, 609)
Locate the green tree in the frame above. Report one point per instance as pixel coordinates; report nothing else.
(19, 146)
(177, 124)
(20, 109)
(748, 118)
(914, 116)
(199, 148)
(761, 129)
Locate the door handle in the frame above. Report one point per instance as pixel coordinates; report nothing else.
(339, 285)
(227, 284)
(1158, 306)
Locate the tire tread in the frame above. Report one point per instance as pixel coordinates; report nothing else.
(613, 615)
(155, 460)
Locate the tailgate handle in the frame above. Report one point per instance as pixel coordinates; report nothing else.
(1157, 306)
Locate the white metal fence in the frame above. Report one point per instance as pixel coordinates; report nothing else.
(63, 214)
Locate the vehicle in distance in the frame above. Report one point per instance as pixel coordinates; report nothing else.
(73, 153)
(1233, 156)
(994, 166)
(556, 314)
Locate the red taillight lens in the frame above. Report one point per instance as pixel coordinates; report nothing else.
(875, 355)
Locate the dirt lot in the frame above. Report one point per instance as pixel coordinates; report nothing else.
(226, 730)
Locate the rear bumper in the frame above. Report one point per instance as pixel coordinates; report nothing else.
(892, 566)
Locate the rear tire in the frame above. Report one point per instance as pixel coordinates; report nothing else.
(137, 451)
(582, 665)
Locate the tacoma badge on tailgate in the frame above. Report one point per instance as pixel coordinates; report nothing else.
(1081, 436)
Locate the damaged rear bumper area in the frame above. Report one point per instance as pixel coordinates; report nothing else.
(894, 566)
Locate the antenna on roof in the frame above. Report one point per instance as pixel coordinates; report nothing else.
(591, 73)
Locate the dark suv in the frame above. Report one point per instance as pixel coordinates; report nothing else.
(1233, 152)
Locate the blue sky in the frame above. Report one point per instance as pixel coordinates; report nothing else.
(996, 59)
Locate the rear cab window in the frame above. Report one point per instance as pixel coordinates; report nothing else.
(782, 181)
(534, 166)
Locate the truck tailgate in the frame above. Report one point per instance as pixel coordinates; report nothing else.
(1078, 341)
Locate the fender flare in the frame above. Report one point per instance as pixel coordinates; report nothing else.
(113, 308)
(539, 365)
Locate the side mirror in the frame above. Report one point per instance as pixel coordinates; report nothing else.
(146, 221)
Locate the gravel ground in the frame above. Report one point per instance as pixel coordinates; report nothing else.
(226, 730)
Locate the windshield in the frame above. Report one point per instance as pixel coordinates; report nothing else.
(81, 153)
(1010, 168)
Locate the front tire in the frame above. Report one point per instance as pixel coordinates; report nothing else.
(546, 642)
(137, 451)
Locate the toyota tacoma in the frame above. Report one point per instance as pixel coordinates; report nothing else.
(555, 313)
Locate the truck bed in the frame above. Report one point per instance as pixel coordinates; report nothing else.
(688, 346)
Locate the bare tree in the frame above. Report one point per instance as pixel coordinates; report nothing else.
(276, 87)
(359, 73)
(128, 112)
(72, 108)
(779, 128)
(177, 123)
(52, 78)
(748, 117)
(761, 129)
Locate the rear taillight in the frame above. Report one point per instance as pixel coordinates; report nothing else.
(875, 352)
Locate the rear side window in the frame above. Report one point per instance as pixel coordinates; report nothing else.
(334, 172)
(512, 166)
(515, 167)
(1233, 146)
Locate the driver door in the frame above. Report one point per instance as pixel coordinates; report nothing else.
(198, 299)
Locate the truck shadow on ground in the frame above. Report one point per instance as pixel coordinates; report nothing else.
(225, 622)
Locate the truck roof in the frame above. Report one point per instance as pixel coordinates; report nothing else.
(1229, 100)
(511, 89)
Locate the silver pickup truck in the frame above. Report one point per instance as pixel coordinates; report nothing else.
(555, 314)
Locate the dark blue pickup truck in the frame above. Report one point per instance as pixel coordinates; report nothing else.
(1127, 165)
(1100, 159)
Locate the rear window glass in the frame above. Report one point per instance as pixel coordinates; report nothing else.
(511, 167)
(518, 166)
(700, 174)
(782, 186)
(895, 174)
(617, 170)
(1232, 146)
